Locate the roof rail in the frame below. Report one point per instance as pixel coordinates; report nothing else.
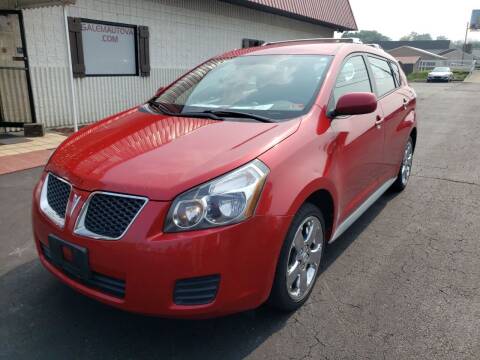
(318, 40)
(376, 46)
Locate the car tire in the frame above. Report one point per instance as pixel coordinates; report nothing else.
(405, 167)
(300, 258)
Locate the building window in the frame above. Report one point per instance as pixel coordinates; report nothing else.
(100, 48)
(248, 43)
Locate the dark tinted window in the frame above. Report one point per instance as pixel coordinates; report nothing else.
(352, 78)
(383, 75)
(396, 74)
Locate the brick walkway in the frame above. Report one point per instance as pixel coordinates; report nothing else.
(20, 153)
(28, 160)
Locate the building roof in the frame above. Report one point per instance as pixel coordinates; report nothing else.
(408, 59)
(420, 52)
(444, 52)
(429, 45)
(337, 14)
(25, 4)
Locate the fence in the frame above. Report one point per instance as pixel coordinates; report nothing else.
(461, 65)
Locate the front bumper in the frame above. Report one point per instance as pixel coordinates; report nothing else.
(150, 262)
(438, 78)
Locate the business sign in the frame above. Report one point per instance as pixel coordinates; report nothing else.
(475, 22)
(109, 49)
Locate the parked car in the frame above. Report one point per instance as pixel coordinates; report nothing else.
(222, 192)
(440, 74)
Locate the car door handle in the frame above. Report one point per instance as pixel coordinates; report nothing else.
(379, 121)
(405, 103)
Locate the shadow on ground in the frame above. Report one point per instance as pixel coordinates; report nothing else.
(42, 318)
(339, 246)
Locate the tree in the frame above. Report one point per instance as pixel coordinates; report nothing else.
(367, 36)
(441, 37)
(414, 36)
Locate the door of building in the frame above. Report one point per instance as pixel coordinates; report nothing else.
(16, 103)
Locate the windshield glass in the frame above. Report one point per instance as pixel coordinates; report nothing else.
(275, 86)
(441, 69)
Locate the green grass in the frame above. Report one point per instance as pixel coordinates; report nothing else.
(422, 75)
(460, 75)
(418, 76)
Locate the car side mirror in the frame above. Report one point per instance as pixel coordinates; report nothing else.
(356, 104)
(159, 91)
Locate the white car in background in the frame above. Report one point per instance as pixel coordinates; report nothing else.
(440, 74)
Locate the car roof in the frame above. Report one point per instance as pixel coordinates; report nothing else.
(307, 47)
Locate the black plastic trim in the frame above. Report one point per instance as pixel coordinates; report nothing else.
(103, 283)
(196, 291)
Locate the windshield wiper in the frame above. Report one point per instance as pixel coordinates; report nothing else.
(239, 114)
(159, 107)
(211, 114)
(166, 111)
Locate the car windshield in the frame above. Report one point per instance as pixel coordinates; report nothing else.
(441, 69)
(277, 87)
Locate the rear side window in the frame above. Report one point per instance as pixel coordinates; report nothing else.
(352, 78)
(396, 74)
(382, 73)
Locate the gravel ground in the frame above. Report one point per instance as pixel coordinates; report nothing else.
(402, 283)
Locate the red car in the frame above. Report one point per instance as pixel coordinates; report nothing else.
(222, 192)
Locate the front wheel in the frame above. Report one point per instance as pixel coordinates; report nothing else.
(300, 258)
(406, 168)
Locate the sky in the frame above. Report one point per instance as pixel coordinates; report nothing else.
(400, 17)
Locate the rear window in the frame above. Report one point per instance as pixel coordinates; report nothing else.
(382, 74)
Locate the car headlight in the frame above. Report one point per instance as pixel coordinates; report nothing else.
(226, 200)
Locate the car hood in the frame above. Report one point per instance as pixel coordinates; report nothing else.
(159, 156)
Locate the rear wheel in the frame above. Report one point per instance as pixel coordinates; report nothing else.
(406, 168)
(300, 258)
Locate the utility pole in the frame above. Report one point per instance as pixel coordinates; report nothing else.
(465, 43)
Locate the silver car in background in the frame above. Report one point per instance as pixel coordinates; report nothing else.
(440, 74)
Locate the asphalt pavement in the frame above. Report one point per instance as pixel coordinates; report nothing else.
(402, 283)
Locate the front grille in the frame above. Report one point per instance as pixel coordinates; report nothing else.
(110, 215)
(196, 291)
(58, 192)
(103, 283)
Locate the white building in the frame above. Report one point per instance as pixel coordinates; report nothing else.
(123, 50)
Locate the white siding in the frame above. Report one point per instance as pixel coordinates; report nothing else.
(183, 33)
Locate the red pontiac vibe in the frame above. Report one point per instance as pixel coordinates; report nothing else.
(222, 192)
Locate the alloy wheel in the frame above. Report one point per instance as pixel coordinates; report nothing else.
(304, 258)
(407, 163)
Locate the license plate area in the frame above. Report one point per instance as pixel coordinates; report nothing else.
(75, 264)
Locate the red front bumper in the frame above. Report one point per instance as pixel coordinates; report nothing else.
(151, 262)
